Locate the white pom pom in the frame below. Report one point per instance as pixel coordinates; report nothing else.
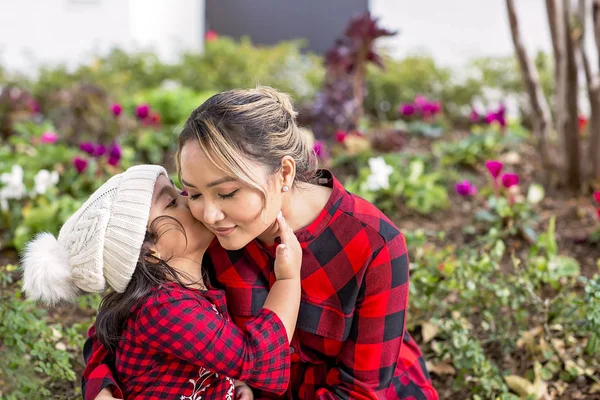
(46, 271)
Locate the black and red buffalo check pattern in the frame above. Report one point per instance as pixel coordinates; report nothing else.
(351, 341)
(181, 344)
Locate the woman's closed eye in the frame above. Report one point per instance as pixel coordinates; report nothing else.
(228, 195)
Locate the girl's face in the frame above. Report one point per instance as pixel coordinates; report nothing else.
(228, 207)
(185, 240)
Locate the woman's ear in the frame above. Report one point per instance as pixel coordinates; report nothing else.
(288, 172)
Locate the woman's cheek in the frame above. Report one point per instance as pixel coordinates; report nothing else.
(196, 210)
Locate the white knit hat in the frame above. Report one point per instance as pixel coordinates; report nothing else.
(99, 244)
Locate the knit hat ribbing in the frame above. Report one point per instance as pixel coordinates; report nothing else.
(99, 244)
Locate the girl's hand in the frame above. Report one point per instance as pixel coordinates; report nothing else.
(243, 391)
(288, 258)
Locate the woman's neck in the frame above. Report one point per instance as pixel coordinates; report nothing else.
(304, 206)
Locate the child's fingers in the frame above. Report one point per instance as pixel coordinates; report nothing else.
(285, 231)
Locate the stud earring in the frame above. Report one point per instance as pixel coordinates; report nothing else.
(285, 188)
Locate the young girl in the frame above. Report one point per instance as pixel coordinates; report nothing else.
(168, 330)
(242, 158)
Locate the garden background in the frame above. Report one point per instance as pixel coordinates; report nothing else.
(489, 168)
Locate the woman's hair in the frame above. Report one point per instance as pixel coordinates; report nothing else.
(241, 127)
(150, 272)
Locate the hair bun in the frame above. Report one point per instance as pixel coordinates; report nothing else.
(283, 99)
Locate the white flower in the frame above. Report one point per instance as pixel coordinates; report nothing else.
(44, 179)
(380, 174)
(12, 184)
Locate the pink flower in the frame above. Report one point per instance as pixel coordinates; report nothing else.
(407, 109)
(116, 109)
(49, 137)
(465, 188)
(318, 148)
(210, 36)
(142, 111)
(494, 167)
(340, 136)
(597, 197)
(474, 116)
(510, 180)
(421, 101)
(80, 164)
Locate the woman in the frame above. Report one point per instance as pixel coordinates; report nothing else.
(168, 329)
(242, 158)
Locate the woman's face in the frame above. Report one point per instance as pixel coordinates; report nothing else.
(167, 201)
(228, 207)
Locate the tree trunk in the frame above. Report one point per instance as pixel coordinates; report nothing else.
(571, 132)
(542, 119)
(594, 94)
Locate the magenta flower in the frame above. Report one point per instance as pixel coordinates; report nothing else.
(494, 167)
(474, 116)
(432, 108)
(407, 109)
(142, 111)
(510, 180)
(465, 188)
(115, 151)
(340, 136)
(597, 197)
(99, 150)
(114, 161)
(114, 154)
(116, 109)
(80, 164)
(49, 137)
(88, 147)
(490, 117)
(318, 148)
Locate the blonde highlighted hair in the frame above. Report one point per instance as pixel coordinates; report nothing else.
(241, 127)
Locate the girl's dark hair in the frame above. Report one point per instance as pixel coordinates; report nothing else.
(150, 273)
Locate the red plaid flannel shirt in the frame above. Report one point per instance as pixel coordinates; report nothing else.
(351, 341)
(181, 344)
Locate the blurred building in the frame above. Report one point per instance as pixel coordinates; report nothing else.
(319, 22)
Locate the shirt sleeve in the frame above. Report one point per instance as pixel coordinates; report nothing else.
(195, 332)
(98, 372)
(366, 364)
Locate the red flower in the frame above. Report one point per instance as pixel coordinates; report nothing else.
(340, 136)
(211, 36)
(597, 197)
(583, 121)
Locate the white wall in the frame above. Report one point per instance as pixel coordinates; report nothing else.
(456, 30)
(33, 32)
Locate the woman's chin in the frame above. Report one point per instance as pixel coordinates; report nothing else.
(232, 242)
